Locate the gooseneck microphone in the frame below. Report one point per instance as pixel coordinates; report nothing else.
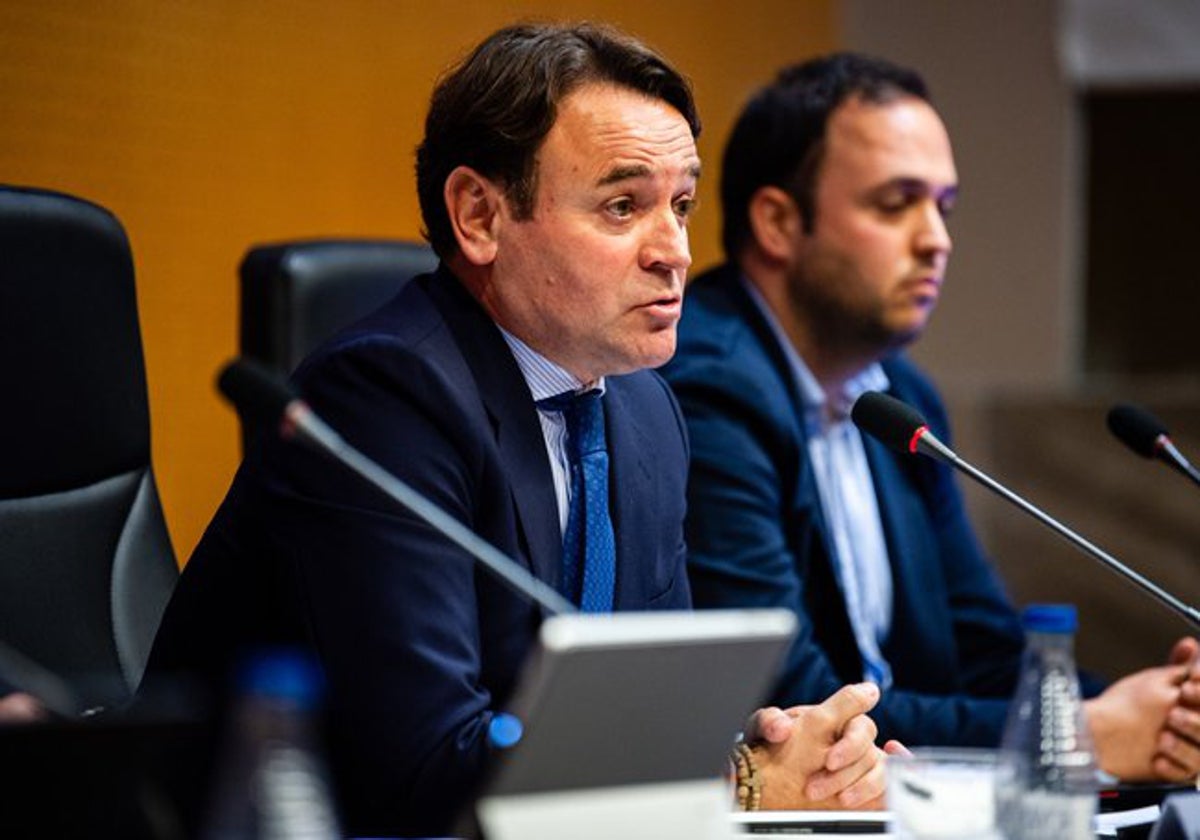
(902, 428)
(1145, 434)
(260, 396)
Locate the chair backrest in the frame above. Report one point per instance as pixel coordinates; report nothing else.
(86, 565)
(297, 294)
(294, 295)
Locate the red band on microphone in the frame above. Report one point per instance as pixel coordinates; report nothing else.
(916, 438)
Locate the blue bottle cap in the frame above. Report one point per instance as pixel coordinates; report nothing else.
(282, 673)
(505, 731)
(1050, 618)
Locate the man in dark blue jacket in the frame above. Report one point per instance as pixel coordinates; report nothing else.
(556, 178)
(836, 185)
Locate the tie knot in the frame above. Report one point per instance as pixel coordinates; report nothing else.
(584, 416)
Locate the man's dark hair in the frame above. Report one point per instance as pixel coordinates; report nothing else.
(779, 139)
(493, 110)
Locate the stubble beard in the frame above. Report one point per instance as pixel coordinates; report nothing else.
(845, 328)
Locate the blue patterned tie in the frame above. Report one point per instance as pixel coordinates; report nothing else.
(589, 547)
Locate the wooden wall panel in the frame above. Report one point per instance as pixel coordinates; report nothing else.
(208, 126)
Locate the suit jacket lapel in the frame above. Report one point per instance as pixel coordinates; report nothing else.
(905, 530)
(515, 424)
(775, 357)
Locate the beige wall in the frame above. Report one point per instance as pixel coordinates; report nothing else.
(208, 126)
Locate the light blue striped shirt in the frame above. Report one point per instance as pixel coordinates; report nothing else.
(848, 501)
(546, 379)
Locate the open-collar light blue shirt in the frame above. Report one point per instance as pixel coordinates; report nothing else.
(847, 492)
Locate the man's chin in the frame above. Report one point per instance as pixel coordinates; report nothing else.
(645, 358)
(899, 335)
(662, 355)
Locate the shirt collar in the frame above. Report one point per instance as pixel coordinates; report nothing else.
(544, 377)
(817, 404)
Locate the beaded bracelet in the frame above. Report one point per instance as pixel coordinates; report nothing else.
(749, 781)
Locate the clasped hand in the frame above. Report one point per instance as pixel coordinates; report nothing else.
(1146, 726)
(821, 757)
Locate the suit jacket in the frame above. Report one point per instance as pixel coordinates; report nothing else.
(756, 534)
(418, 644)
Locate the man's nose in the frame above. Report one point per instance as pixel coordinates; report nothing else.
(666, 246)
(932, 236)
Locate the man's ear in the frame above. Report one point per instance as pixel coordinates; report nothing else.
(473, 204)
(775, 223)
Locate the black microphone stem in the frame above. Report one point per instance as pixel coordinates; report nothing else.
(1190, 614)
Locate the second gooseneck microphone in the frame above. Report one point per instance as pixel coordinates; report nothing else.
(1145, 434)
(901, 427)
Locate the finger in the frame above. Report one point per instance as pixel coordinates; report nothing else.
(857, 739)
(848, 702)
(825, 784)
(1184, 722)
(869, 787)
(868, 792)
(1176, 676)
(1181, 751)
(1184, 652)
(1189, 693)
(798, 711)
(1167, 770)
(769, 724)
(1191, 674)
(895, 748)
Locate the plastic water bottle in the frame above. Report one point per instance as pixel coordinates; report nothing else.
(272, 782)
(1046, 786)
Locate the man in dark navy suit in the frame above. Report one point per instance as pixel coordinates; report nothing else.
(836, 184)
(556, 179)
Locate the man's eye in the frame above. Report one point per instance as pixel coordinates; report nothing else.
(685, 207)
(622, 208)
(894, 203)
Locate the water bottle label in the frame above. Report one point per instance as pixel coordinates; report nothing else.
(1040, 815)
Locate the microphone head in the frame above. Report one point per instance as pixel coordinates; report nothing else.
(886, 418)
(1136, 428)
(256, 391)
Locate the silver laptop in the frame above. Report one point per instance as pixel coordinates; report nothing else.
(628, 719)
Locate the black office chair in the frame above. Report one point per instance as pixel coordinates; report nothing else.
(294, 295)
(86, 565)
